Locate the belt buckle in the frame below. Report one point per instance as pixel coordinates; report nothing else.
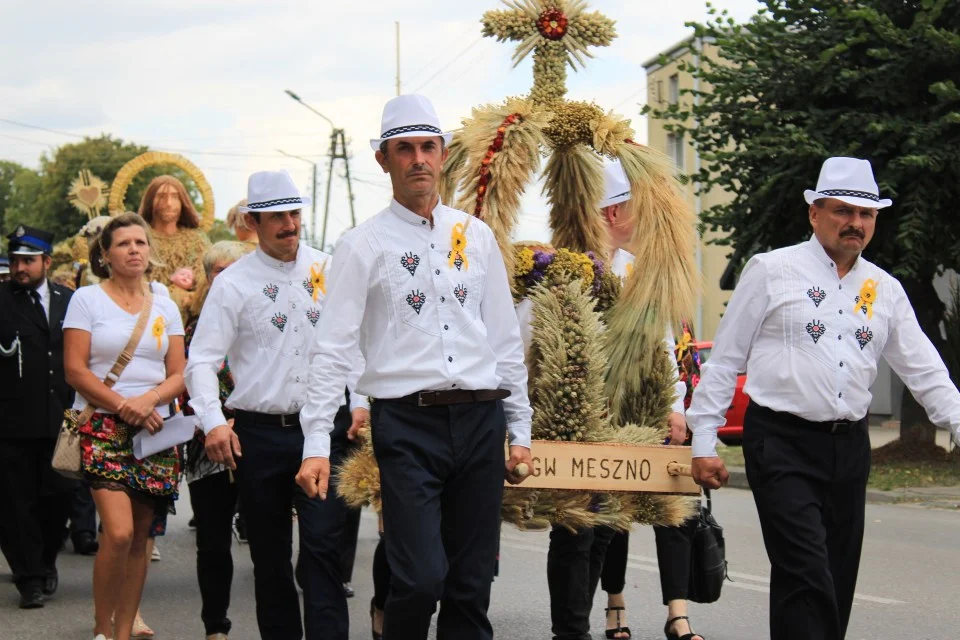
(420, 396)
(283, 421)
(837, 426)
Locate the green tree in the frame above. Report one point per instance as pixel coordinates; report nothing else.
(804, 80)
(48, 206)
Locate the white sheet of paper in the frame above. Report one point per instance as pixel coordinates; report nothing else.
(176, 430)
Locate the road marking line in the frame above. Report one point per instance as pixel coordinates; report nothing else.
(645, 563)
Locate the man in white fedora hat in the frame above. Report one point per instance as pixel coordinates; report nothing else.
(808, 324)
(423, 290)
(263, 312)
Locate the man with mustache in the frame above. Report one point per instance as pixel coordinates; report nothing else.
(422, 289)
(262, 312)
(34, 499)
(808, 324)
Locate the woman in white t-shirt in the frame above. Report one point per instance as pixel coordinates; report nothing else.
(127, 491)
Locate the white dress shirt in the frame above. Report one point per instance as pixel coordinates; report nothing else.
(44, 291)
(423, 319)
(810, 346)
(263, 314)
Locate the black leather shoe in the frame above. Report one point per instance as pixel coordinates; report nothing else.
(348, 590)
(31, 597)
(50, 583)
(85, 544)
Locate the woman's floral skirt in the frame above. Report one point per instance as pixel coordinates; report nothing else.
(106, 443)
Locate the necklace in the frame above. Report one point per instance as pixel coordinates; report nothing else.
(124, 301)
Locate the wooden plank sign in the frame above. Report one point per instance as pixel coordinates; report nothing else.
(605, 467)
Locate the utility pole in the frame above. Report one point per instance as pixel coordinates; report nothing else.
(338, 151)
(398, 57)
(313, 199)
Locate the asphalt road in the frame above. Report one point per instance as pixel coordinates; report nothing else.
(908, 585)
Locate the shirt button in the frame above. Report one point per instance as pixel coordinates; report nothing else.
(297, 352)
(423, 222)
(442, 299)
(431, 245)
(450, 359)
(841, 363)
(453, 385)
(291, 282)
(51, 371)
(296, 329)
(294, 305)
(840, 395)
(446, 327)
(437, 271)
(50, 353)
(841, 311)
(298, 378)
(841, 286)
(840, 337)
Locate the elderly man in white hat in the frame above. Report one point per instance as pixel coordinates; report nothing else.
(808, 324)
(263, 312)
(423, 290)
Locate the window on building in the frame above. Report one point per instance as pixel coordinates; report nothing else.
(658, 92)
(674, 88)
(675, 149)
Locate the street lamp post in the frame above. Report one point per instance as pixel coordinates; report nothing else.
(313, 201)
(338, 151)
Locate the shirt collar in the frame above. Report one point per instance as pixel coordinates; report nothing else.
(43, 290)
(278, 264)
(410, 217)
(813, 244)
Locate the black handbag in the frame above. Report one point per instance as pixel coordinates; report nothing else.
(708, 563)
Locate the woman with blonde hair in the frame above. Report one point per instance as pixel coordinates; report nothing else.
(100, 321)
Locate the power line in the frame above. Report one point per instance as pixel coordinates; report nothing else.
(167, 149)
(447, 66)
(459, 38)
(42, 144)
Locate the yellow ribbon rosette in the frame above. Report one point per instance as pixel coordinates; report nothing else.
(458, 244)
(158, 327)
(318, 280)
(868, 296)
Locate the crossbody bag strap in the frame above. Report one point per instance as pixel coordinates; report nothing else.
(127, 354)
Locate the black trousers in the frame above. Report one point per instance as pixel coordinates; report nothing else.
(213, 500)
(613, 577)
(674, 546)
(268, 491)
(810, 491)
(441, 471)
(574, 564)
(381, 575)
(35, 503)
(83, 512)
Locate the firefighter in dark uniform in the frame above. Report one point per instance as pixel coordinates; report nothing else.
(34, 499)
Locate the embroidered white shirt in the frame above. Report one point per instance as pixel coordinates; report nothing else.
(263, 314)
(809, 342)
(423, 318)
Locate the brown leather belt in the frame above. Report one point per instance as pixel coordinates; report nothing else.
(451, 396)
(286, 421)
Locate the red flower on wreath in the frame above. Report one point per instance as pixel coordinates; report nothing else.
(492, 150)
(552, 24)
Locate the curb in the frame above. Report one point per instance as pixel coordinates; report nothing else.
(738, 480)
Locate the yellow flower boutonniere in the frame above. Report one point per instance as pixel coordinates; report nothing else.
(158, 328)
(318, 280)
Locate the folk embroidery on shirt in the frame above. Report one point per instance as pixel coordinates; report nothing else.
(271, 291)
(416, 299)
(816, 294)
(461, 293)
(279, 321)
(410, 261)
(864, 336)
(313, 315)
(816, 329)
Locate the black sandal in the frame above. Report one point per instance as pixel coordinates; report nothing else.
(373, 609)
(612, 633)
(670, 635)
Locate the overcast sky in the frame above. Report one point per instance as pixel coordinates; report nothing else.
(207, 78)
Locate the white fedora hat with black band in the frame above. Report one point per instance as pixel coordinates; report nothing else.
(616, 187)
(272, 191)
(409, 116)
(849, 180)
